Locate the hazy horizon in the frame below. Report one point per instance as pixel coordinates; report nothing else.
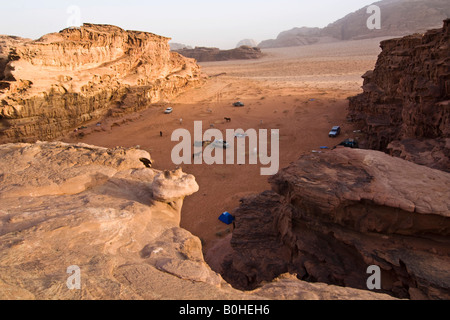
(195, 23)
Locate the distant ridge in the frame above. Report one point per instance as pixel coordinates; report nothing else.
(398, 18)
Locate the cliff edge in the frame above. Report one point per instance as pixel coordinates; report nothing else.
(54, 84)
(330, 216)
(405, 105)
(109, 215)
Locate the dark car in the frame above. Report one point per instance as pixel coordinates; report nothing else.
(238, 104)
(335, 131)
(349, 143)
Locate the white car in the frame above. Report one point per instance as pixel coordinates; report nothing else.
(220, 144)
(168, 110)
(335, 131)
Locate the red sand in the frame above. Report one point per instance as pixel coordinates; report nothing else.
(277, 90)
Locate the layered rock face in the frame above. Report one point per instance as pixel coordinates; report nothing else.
(104, 212)
(407, 97)
(202, 54)
(62, 80)
(330, 216)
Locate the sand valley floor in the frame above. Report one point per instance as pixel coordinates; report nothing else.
(302, 91)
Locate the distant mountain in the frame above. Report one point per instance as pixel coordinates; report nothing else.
(204, 54)
(178, 46)
(247, 42)
(398, 18)
(294, 37)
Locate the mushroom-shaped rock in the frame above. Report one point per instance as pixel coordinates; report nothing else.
(172, 185)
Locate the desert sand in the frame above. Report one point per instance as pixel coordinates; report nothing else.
(302, 91)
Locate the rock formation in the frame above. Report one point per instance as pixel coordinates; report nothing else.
(62, 80)
(247, 42)
(330, 216)
(405, 106)
(202, 54)
(296, 37)
(67, 206)
(398, 18)
(178, 46)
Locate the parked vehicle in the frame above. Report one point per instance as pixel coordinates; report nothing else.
(335, 131)
(220, 144)
(168, 110)
(349, 143)
(238, 104)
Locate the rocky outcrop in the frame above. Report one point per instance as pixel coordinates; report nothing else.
(330, 216)
(407, 97)
(203, 54)
(433, 153)
(64, 205)
(398, 18)
(62, 80)
(6, 43)
(107, 214)
(168, 185)
(247, 42)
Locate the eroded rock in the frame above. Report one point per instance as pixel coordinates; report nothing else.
(56, 212)
(406, 99)
(172, 185)
(52, 85)
(332, 215)
(64, 205)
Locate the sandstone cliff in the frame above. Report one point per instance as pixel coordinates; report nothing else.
(405, 105)
(62, 80)
(106, 212)
(202, 54)
(330, 216)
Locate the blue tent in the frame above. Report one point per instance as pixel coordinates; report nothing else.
(226, 218)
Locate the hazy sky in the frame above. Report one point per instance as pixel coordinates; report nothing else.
(197, 22)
